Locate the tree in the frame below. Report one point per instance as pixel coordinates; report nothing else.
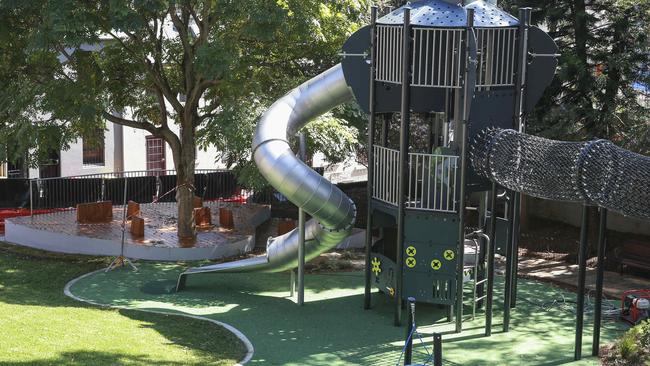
(605, 56)
(67, 66)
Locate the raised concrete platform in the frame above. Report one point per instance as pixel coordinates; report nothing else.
(59, 232)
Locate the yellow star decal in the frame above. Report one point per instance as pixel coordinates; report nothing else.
(376, 266)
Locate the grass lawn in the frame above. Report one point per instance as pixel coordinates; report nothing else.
(39, 325)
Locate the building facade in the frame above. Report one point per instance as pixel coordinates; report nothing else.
(123, 149)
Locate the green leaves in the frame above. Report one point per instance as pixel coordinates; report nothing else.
(64, 63)
(605, 51)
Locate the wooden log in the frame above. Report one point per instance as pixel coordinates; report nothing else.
(203, 217)
(285, 226)
(132, 210)
(226, 219)
(137, 227)
(95, 212)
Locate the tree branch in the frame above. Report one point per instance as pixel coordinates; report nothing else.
(161, 132)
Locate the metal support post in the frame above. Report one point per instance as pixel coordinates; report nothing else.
(31, 200)
(520, 124)
(460, 248)
(598, 307)
(582, 272)
(514, 263)
(371, 158)
(507, 295)
(384, 128)
(301, 232)
(408, 352)
(405, 116)
(481, 268)
(122, 260)
(490, 258)
(437, 349)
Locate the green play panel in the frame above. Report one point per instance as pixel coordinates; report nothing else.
(333, 329)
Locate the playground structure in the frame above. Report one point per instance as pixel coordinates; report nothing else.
(471, 72)
(465, 66)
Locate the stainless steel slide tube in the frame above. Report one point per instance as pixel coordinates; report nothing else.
(332, 211)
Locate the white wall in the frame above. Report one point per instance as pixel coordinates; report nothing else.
(72, 159)
(124, 150)
(135, 149)
(135, 152)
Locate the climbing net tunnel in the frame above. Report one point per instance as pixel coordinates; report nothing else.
(595, 172)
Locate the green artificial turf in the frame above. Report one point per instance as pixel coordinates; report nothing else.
(333, 329)
(39, 325)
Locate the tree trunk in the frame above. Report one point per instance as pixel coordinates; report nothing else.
(186, 191)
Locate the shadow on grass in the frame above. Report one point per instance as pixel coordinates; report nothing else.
(35, 278)
(102, 358)
(332, 327)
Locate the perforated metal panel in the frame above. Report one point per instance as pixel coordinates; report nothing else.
(438, 13)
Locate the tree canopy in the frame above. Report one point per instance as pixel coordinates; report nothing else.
(193, 72)
(603, 67)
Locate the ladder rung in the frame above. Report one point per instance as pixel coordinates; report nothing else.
(480, 298)
(481, 281)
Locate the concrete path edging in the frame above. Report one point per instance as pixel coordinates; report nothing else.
(250, 350)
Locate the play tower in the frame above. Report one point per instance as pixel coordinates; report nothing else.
(447, 69)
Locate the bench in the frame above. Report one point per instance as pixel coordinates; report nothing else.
(633, 254)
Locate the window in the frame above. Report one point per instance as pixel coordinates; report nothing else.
(93, 149)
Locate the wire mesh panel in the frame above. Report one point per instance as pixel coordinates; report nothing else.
(436, 60)
(389, 54)
(386, 175)
(432, 182)
(596, 172)
(496, 53)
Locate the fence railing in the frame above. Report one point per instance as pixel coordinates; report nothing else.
(436, 60)
(497, 51)
(432, 180)
(385, 179)
(140, 186)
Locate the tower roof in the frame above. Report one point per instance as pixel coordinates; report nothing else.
(441, 13)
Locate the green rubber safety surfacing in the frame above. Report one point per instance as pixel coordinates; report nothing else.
(333, 329)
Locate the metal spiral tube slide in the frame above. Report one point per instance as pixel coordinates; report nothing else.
(333, 212)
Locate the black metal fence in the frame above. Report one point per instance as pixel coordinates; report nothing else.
(139, 186)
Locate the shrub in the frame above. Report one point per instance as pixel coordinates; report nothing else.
(631, 349)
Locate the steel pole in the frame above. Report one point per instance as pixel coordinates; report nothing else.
(301, 232)
(507, 295)
(514, 263)
(31, 200)
(384, 129)
(490, 258)
(408, 353)
(602, 246)
(405, 116)
(437, 349)
(460, 248)
(520, 120)
(582, 272)
(371, 158)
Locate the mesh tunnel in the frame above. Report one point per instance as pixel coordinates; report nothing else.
(595, 172)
